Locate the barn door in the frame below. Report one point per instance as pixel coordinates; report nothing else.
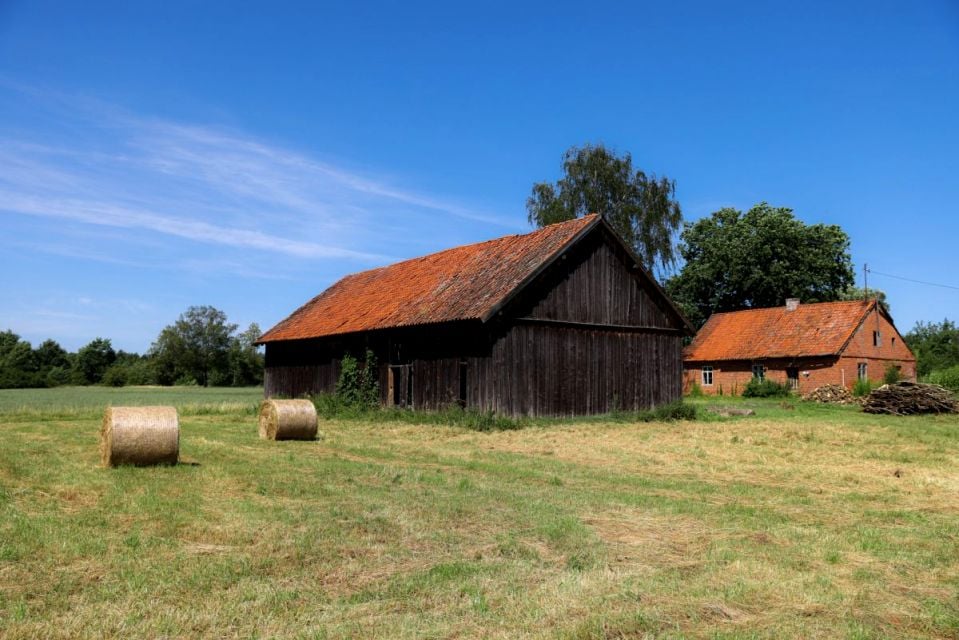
(400, 386)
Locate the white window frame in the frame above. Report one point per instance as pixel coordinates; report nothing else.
(877, 338)
(759, 371)
(707, 370)
(862, 371)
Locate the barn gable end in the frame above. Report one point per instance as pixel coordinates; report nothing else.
(596, 282)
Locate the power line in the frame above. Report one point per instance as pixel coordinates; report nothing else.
(931, 284)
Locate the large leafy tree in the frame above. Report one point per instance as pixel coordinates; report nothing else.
(858, 293)
(196, 347)
(54, 364)
(18, 364)
(735, 260)
(246, 359)
(93, 360)
(50, 354)
(936, 345)
(641, 207)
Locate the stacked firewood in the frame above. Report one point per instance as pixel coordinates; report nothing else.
(907, 398)
(831, 394)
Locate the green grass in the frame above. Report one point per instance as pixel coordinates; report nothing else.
(790, 523)
(88, 401)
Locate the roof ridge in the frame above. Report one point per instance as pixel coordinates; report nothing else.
(458, 283)
(816, 328)
(801, 305)
(580, 220)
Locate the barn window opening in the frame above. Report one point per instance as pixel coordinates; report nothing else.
(707, 376)
(861, 370)
(395, 378)
(400, 389)
(893, 342)
(463, 385)
(876, 339)
(759, 372)
(792, 376)
(409, 387)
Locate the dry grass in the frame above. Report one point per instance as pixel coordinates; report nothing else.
(799, 523)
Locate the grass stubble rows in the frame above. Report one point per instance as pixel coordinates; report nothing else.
(802, 521)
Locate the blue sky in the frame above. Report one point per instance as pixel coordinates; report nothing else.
(159, 155)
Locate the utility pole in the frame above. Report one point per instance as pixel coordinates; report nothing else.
(865, 280)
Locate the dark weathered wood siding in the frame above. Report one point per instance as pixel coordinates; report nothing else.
(596, 284)
(589, 335)
(546, 370)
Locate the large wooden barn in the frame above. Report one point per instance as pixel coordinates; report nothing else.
(560, 321)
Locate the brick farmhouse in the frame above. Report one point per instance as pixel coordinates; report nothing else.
(804, 345)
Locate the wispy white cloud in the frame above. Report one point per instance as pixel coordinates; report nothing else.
(114, 215)
(100, 207)
(208, 185)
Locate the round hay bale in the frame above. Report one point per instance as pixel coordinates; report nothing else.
(140, 436)
(288, 420)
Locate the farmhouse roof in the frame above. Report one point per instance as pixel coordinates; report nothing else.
(470, 282)
(812, 329)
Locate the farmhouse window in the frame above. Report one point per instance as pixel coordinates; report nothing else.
(876, 339)
(862, 371)
(759, 372)
(707, 376)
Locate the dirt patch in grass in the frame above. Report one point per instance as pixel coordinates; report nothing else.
(639, 538)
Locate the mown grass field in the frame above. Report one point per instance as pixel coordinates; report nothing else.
(90, 401)
(809, 522)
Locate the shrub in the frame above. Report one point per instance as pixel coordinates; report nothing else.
(358, 386)
(863, 387)
(115, 376)
(757, 388)
(141, 372)
(678, 410)
(59, 376)
(948, 378)
(892, 375)
(669, 412)
(695, 391)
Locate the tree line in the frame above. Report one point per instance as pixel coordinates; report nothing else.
(200, 348)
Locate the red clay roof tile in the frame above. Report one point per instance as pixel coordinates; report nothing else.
(815, 329)
(463, 283)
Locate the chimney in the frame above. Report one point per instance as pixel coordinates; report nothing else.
(792, 304)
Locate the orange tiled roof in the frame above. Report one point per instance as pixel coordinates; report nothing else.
(464, 283)
(816, 329)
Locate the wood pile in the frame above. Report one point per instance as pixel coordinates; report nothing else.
(830, 394)
(908, 398)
